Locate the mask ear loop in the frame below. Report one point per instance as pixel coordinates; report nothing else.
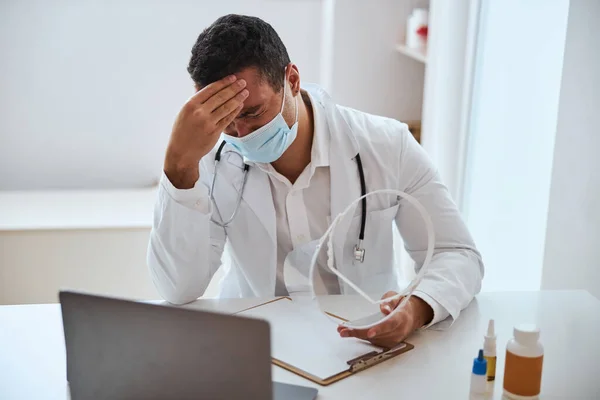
(283, 101)
(328, 236)
(296, 119)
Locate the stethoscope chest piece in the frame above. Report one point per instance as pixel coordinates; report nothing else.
(359, 252)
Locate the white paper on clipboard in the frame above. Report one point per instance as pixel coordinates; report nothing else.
(305, 338)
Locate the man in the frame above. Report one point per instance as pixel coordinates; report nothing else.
(302, 152)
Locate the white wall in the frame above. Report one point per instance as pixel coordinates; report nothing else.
(90, 88)
(511, 145)
(572, 255)
(89, 92)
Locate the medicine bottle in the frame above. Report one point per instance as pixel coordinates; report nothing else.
(523, 365)
(416, 29)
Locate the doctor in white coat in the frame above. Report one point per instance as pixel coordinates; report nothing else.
(291, 154)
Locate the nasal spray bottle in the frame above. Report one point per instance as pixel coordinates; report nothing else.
(489, 351)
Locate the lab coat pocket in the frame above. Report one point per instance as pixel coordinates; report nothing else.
(377, 273)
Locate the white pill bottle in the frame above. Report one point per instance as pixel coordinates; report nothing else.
(523, 366)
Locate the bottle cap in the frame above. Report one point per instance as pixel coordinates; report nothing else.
(479, 364)
(526, 334)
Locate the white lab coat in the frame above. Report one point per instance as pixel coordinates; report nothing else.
(185, 247)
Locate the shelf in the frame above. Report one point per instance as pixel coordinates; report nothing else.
(419, 55)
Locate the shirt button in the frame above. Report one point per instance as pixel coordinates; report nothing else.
(199, 203)
(301, 238)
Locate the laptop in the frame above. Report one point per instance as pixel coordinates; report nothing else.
(118, 349)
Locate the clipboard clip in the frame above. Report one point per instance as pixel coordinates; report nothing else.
(374, 357)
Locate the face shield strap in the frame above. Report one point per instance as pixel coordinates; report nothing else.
(405, 294)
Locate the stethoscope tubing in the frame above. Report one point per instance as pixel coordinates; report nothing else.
(224, 224)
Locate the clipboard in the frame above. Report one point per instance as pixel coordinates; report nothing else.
(363, 361)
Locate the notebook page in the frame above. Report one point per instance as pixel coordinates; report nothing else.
(303, 337)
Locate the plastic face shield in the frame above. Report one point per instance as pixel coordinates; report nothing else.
(335, 270)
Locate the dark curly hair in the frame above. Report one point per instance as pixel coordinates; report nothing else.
(233, 43)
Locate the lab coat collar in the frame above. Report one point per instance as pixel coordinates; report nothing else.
(321, 137)
(343, 141)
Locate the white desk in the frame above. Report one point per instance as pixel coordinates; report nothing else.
(32, 352)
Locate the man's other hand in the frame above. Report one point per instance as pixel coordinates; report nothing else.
(393, 331)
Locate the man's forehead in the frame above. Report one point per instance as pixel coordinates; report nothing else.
(256, 83)
(254, 80)
(259, 89)
(252, 77)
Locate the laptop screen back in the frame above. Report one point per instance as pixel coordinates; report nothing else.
(119, 349)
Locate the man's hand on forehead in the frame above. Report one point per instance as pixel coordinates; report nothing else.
(199, 125)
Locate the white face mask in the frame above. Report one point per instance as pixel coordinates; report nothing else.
(269, 142)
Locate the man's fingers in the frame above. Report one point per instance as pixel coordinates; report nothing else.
(384, 328)
(356, 333)
(223, 123)
(223, 95)
(385, 308)
(365, 334)
(208, 91)
(388, 306)
(230, 105)
(387, 341)
(387, 333)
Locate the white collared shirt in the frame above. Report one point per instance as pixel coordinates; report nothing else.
(302, 209)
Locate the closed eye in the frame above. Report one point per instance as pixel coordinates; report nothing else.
(254, 116)
(247, 116)
(253, 112)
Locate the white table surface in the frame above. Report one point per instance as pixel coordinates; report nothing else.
(32, 351)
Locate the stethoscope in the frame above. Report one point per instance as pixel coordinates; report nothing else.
(359, 251)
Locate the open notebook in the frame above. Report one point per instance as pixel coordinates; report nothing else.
(304, 341)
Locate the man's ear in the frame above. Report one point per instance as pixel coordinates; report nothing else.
(294, 78)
